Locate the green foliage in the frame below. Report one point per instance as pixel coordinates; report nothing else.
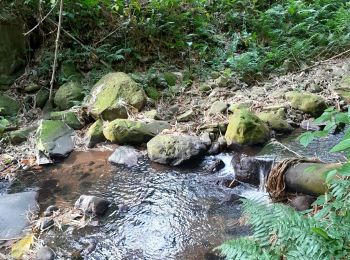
(281, 232)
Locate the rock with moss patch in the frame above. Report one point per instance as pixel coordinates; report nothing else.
(68, 95)
(32, 87)
(218, 107)
(344, 89)
(41, 97)
(113, 94)
(245, 128)
(54, 139)
(95, 134)
(153, 93)
(175, 150)
(276, 120)
(69, 117)
(8, 106)
(21, 135)
(233, 107)
(125, 131)
(170, 78)
(152, 114)
(307, 102)
(68, 72)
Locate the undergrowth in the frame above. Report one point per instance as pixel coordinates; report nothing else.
(252, 37)
(280, 232)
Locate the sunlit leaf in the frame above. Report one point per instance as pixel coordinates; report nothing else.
(21, 247)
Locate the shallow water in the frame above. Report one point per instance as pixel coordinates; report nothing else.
(169, 213)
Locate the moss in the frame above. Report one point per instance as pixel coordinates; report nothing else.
(112, 93)
(246, 128)
(95, 134)
(276, 120)
(8, 106)
(307, 102)
(68, 95)
(41, 97)
(153, 93)
(170, 78)
(19, 136)
(69, 117)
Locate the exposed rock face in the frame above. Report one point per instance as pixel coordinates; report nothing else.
(69, 117)
(8, 106)
(175, 150)
(307, 102)
(68, 95)
(276, 120)
(125, 131)
(54, 139)
(95, 134)
(112, 94)
(13, 213)
(126, 155)
(92, 204)
(246, 128)
(12, 50)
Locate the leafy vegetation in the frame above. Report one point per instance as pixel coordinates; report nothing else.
(279, 231)
(252, 37)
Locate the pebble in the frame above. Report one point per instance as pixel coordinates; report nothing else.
(45, 253)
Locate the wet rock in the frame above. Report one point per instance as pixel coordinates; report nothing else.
(250, 169)
(309, 125)
(54, 139)
(276, 151)
(246, 128)
(68, 95)
(125, 131)
(205, 138)
(69, 117)
(231, 197)
(92, 204)
(94, 135)
(41, 97)
(222, 142)
(185, 117)
(8, 106)
(175, 150)
(307, 102)
(125, 155)
(50, 210)
(45, 253)
(112, 94)
(302, 202)
(217, 107)
(276, 120)
(215, 166)
(91, 246)
(13, 213)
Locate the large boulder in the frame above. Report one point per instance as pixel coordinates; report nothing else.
(12, 49)
(125, 131)
(54, 139)
(8, 106)
(307, 102)
(113, 94)
(246, 128)
(95, 134)
(175, 150)
(276, 120)
(68, 95)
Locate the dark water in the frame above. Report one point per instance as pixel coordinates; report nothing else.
(169, 213)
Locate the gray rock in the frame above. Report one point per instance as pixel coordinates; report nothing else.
(215, 166)
(214, 148)
(205, 138)
(92, 204)
(50, 210)
(46, 223)
(185, 117)
(45, 253)
(222, 142)
(302, 202)
(218, 107)
(14, 209)
(175, 150)
(125, 155)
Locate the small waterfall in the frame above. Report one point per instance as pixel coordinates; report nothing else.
(264, 170)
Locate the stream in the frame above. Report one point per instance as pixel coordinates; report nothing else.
(157, 212)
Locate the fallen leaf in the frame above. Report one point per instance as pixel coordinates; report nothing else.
(21, 247)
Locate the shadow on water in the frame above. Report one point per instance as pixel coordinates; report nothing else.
(160, 212)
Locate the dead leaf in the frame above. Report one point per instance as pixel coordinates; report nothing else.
(21, 247)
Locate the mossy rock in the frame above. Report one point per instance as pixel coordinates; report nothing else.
(95, 134)
(153, 93)
(8, 106)
(170, 78)
(112, 94)
(245, 128)
(307, 102)
(53, 138)
(68, 72)
(68, 95)
(41, 97)
(344, 89)
(218, 107)
(125, 131)
(276, 120)
(21, 135)
(233, 107)
(69, 117)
